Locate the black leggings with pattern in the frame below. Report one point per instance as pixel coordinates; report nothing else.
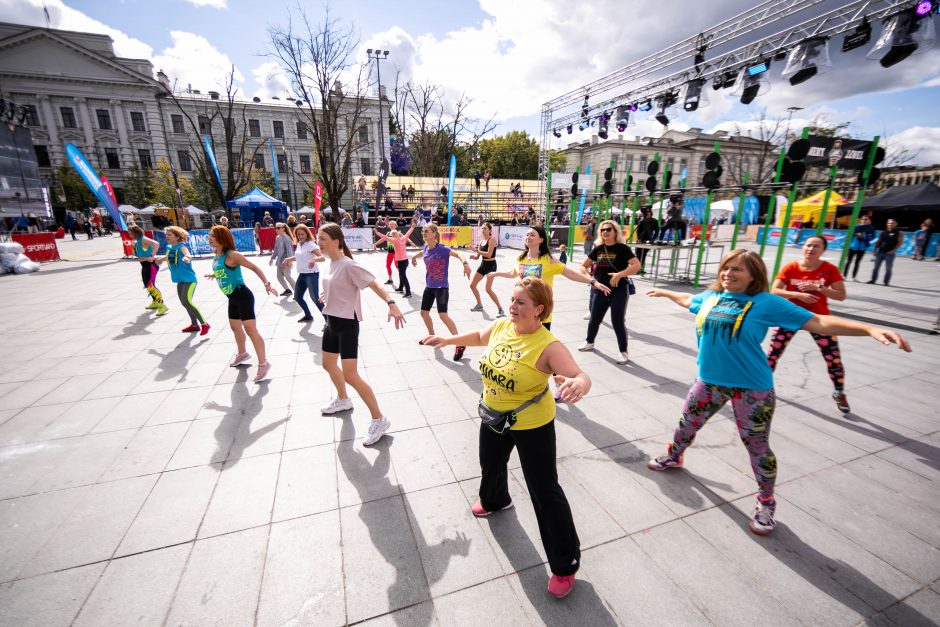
(828, 344)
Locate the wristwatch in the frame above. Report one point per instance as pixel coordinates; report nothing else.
(390, 301)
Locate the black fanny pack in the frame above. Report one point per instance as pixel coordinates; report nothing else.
(499, 421)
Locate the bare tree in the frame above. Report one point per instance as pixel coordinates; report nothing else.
(315, 58)
(754, 151)
(225, 121)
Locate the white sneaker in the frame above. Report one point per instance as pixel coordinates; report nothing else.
(377, 429)
(586, 316)
(587, 346)
(337, 405)
(477, 307)
(624, 358)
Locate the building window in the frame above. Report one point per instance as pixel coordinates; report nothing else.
(111, 154)
(278, 129)
(304, 164)
(254, 128)
(642, 163)
(683, 164)
(628, 164)
(137, 122)
(282, 162)
(671, 162)
(143, 155)
(42, 157)
(30, 115)
(177, 121)
(615, 161)
(363, 134)
(205, 124)
(68, 117)
(186, 164)
(104, 119)
(365, 165)
(701, 166)
(285, 195)
(259, 161)
(301, 130)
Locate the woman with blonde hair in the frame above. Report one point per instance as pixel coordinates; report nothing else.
(516, 411)
(283, 250)
(179, 261)
(307, 255)
(731, 320)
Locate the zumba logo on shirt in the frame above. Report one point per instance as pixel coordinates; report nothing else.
(530, 270)
(222, 277)
(722, 316)
(497, 366)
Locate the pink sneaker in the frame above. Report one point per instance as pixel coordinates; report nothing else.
(205, 329)
(239, 358)
(560, 585)
(262, 371)
(479, 512)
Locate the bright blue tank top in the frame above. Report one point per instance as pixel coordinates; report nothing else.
(139, 249)
(180, 271)
(229, 279)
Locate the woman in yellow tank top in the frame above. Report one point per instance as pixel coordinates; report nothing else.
(519, 358)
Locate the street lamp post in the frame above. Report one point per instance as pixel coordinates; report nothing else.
(378, 55)
(290, 177)
(790, 112)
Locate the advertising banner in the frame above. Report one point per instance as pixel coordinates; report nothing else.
(198, 242)
(835, 239)
(38, 246)
(451, 180)
(455, 236)
(211, 156)
(476, 235)
(561, 180)
(512, 236)
(127, 241)
(825, 152)
(317, 201)
(773, 236)
(266, 237)
(359, 239)
(160, 238)
(93, 181)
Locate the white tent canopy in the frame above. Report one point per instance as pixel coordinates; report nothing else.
(128, 209)
(195, 211)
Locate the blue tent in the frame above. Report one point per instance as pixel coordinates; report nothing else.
(253, 205)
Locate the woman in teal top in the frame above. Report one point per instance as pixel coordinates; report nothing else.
(145, 250)
(182, 273)
(731, 320)
(227, 271)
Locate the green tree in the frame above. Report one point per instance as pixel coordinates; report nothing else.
(76, 193)
(515, 155)
(557, 160)
(137, 182)
(163, 190)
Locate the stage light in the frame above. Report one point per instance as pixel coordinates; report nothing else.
(750, 86)
(758, 68)
(724, 81)
(646, 105)
(693, 94)
(924, 7)
(556, 133)
(584, 126)
(622, 118)
(585, 109)
(634, 106)
(857, 38)
(570, 129)
(662, 102)
(807, 60)
(602, 126)
(902, 35)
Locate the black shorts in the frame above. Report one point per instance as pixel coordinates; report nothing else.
(486, 267)
(241, 304)
(441, 294)
(341, 337)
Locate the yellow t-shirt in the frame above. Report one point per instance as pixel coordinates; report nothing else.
(510, 377)
(544, 268)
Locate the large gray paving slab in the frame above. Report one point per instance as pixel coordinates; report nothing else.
(48, 600)
(306, 483)
(243, 497)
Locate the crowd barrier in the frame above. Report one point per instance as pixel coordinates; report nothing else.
(38, 246)
(836, 238)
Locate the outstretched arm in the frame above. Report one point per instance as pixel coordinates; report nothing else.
(680, 298)
(393, 312)
(240, 259)
(466, 266)
(473, 338)
(833, 325)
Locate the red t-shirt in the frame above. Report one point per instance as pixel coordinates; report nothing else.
(823, 276)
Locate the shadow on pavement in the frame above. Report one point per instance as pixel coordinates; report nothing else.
(234, 434)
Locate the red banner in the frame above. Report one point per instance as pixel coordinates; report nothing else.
(266, 239)
(317, 201)
(128, 242)
(696, 231)
(38, 246)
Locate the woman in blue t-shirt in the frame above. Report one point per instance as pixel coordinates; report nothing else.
(179, 261)
(731, 320)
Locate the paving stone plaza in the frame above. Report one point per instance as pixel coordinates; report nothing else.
(143, 481)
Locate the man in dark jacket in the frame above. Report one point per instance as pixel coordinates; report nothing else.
(886, 245)
(646, 229)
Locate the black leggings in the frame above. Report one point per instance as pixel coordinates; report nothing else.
(617, 303)
(857, 254)
(185, 292)
(403, 283)
(537, 456)
(148, 274)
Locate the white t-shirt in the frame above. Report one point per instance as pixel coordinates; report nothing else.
(342, 286)
(304, 254)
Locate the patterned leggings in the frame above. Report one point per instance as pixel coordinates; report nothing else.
(828, 344)
(753, 411)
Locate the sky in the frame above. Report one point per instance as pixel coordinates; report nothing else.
(511, 57)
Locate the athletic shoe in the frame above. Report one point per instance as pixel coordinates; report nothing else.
(408, 295)
(762, 520)
(377, 429)
(191, 328)
(337, 405)
(586, 316)
(305, 319)
(153, 305)
(262, 371)
(841, 402)
(239, 358)
(477, 509)
(666, 461)
(389, 282)
(624, 358)
(162, 310)
(587, 346)
(872, 282)
(500, 314)
(477, 307)
(286, 293)
(560, 585)
(398, 289)
(458, 352)
(205, 329)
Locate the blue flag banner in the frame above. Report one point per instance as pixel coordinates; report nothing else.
(94, 183)
(451, 180)
(198, 242)
(587, 171)
(211, 155)
(277, 185)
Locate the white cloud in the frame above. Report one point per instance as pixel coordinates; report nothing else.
(272, 80)
(215, 4)
(193, 61)
(922, 141)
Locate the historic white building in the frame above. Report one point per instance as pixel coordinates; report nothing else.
(76, 90)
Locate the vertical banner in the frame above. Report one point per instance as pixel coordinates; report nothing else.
(317, 200)
(107, 186)
(587, 171)
(277, 184)
(380, 188)
(210, 154)
(451, 179)
(94, 183)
